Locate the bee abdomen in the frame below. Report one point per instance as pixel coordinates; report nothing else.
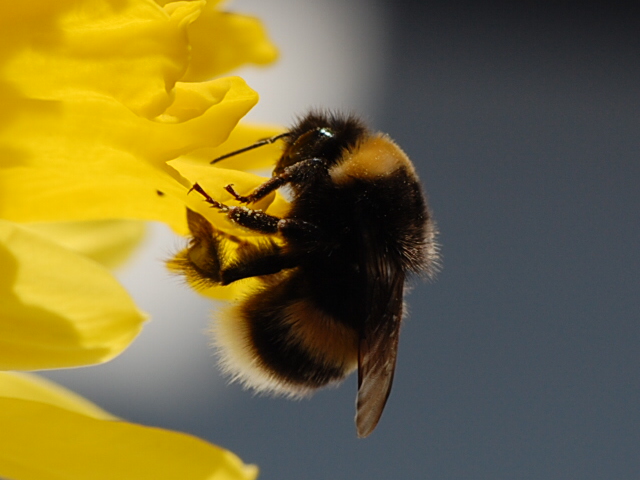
(285, 346)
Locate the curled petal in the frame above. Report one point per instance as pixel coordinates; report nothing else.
(131, 51)
(94, 159)
(223, 41)
(95, 104)
(58, 309)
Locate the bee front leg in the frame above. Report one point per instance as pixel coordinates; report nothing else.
(255, 220)
(207, 198)
(294, 173)
(260, 192)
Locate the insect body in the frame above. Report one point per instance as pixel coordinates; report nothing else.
(331, 295)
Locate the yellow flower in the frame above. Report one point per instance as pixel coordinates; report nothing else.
(103, 120)
(108, 116)
(69, 437)
(95, 104)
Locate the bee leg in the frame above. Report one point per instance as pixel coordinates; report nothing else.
(295, 173)
(255, 220)
(256, 261)
(268, 258)
(262, 222)
(289, 228)
(292, 228)
(261, 191)
(203, 260)
(207, 198)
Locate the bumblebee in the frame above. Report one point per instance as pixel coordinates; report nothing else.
(331, 290)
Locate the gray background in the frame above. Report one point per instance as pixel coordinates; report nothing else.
(521, 361)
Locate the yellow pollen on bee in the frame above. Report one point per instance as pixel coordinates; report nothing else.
(376, 157)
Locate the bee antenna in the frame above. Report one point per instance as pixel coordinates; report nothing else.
(259, 143)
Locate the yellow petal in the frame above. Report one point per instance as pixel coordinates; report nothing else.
(223, 41)
(41, 441)
(62, 170)
(26, 386)
(93, 107)
(58, 309)
(132, 51)
(108, 242)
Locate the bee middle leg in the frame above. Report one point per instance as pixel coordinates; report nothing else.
(288, 228)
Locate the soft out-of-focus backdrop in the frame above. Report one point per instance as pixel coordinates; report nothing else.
(523, 359)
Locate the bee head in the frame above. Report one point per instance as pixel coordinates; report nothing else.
(317, 143)
(321, 136)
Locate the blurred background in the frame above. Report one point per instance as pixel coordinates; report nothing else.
(522, 360)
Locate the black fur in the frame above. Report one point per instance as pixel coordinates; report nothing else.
(273, 341)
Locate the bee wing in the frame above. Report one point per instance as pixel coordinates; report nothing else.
(378, 350)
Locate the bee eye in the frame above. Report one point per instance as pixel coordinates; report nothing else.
(326, 132)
